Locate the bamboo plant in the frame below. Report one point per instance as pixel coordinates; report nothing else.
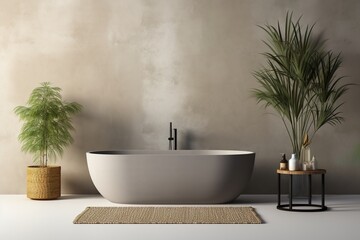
(299, 80)
(47, 123)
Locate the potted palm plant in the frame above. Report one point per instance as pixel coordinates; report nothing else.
(45, 133)
(299, 81)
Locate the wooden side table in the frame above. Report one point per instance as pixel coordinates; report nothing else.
(293, 207)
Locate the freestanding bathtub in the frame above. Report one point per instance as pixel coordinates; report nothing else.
(172, 177)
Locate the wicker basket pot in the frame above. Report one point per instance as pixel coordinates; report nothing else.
(43, 183)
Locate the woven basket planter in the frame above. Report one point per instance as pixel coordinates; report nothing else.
(43, 183)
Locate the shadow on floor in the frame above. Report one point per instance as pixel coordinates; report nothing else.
(68, 197)
(344, 208)
(255, 199)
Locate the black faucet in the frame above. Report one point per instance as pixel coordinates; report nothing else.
(171, 138)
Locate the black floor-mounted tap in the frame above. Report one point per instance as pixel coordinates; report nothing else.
(171, 138)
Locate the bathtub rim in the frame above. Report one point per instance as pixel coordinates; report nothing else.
(144, 152)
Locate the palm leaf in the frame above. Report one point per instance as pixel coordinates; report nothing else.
(47, 123)
(299, 80)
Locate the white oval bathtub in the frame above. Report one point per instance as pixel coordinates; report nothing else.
(181, 176)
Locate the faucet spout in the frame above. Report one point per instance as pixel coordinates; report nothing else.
(175, 138)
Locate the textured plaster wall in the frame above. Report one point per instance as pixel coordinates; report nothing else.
(137, 65)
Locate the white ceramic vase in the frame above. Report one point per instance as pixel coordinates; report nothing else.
(293, 163)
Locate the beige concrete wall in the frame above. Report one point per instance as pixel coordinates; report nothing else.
(137, 65)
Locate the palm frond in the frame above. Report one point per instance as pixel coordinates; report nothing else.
(47, 123)
(299, 80)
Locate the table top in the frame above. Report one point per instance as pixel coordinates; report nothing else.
(300, 172)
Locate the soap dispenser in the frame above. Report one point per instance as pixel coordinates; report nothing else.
(283, 163)
(293, 163)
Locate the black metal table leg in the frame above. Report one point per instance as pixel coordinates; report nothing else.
(298, 207)
(291, 193)
(309, 189)
(279, 189)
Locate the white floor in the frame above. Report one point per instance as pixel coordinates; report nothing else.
(21, 218)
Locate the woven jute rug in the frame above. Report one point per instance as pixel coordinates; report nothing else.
(168, 215)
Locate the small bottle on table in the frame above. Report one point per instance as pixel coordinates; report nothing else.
(283, 163)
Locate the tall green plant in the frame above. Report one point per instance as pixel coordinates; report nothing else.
(47, 123)
(299, 80)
